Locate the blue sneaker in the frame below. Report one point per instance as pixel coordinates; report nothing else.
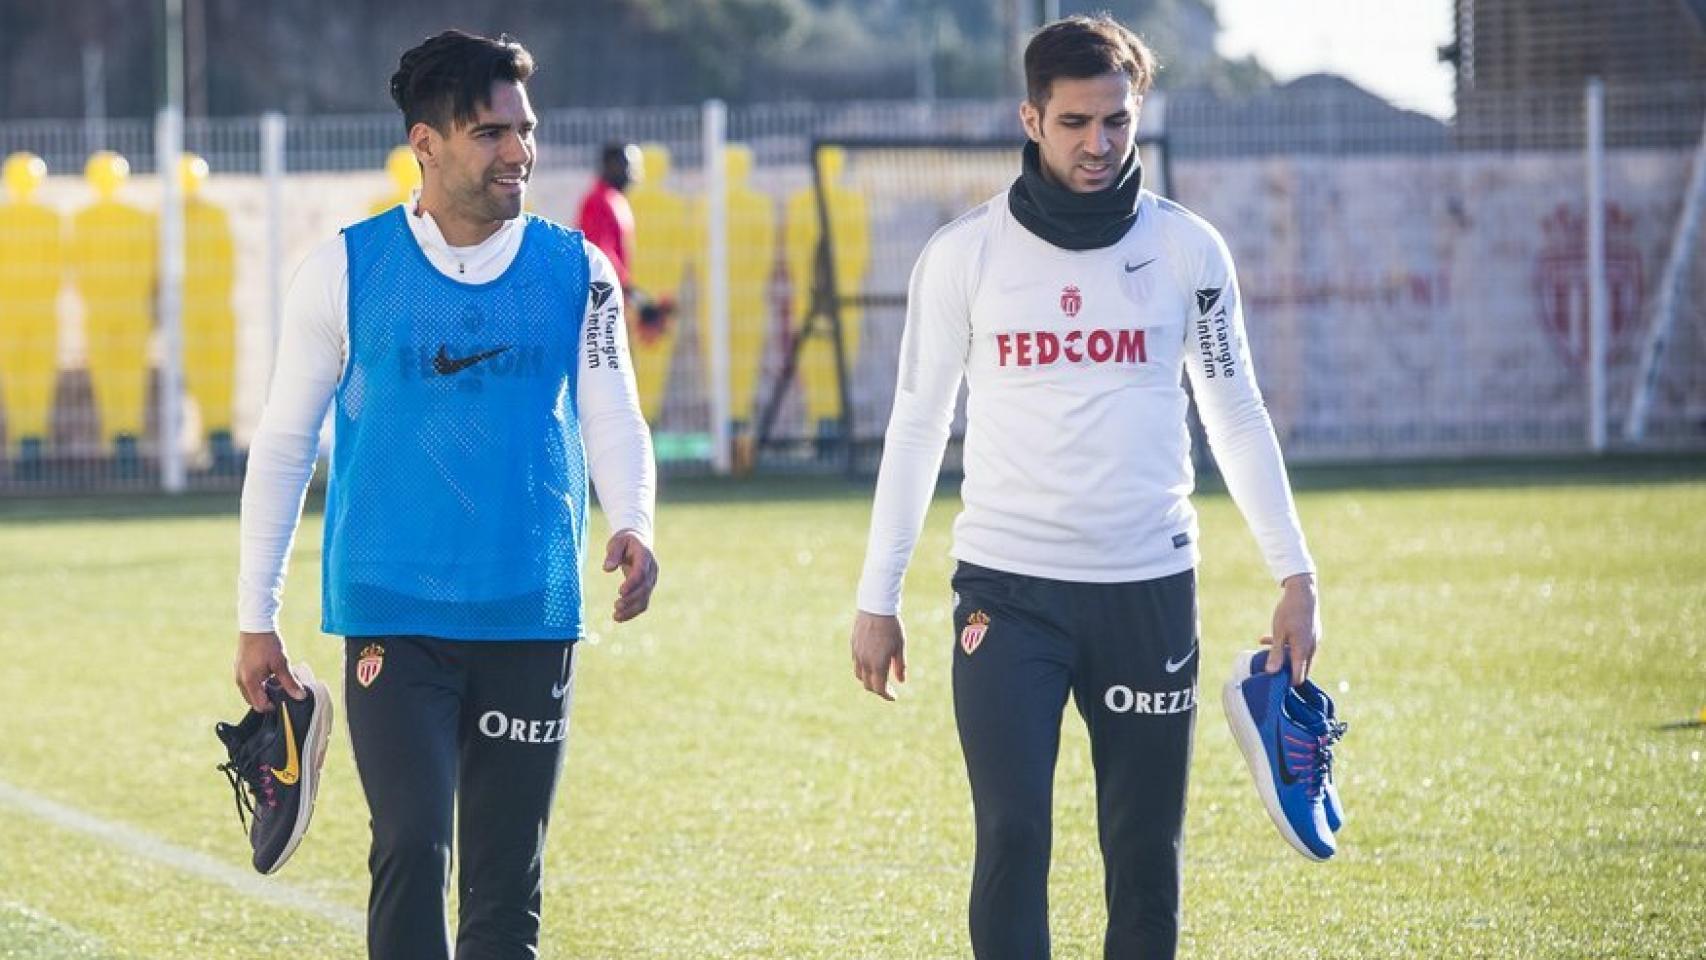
(1287, 744)
(1319, 701)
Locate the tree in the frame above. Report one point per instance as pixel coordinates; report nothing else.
(336, 56)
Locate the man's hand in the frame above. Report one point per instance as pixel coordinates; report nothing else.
(878, 641)
(639, 573)
(1297, 628)
(259, 656)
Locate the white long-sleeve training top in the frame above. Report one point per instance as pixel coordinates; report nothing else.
(313, 351)
(1077, 452)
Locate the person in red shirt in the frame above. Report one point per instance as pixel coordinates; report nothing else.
(605, 216)
(608, 222)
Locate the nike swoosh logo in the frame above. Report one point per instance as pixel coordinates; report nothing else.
(1173, 666)
(446, 365)
(1286, 776)
(292, 763)
(1131, 269)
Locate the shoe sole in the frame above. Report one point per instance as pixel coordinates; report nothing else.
(1249, 740)
(319, 736)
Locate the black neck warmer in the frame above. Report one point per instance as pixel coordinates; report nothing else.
(1075, 221)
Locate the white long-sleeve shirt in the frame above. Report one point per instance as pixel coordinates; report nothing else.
(313, 352)
(1077, 453)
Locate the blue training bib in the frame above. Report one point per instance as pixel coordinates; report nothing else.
(457, 501)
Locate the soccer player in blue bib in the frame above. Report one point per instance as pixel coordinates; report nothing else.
(1069, 304)
(476, 362)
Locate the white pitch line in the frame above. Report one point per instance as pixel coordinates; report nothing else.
(86, 941)
(180, 859)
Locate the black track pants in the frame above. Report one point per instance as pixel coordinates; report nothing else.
(471, 726)
(1127, 653)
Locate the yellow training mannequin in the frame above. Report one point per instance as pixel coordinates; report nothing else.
(664, 240)
(113, 262)
(751, 259)
(851, 244)
(210, 323)
(32, 264)
(405, 174)
(23, 174)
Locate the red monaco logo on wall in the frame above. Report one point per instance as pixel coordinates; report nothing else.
(1071, 301)
(1561, 278)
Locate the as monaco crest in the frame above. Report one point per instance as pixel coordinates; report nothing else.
(1071, 301)
(1561, 278)
(368, 666)
(976, 626)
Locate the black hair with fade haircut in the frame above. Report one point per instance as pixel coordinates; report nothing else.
(1080, 47)
(448, 77)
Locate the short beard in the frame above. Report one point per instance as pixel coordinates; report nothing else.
(506, 209)
(489, 207)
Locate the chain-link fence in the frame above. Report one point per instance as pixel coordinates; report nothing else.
(1416, 288)
(1413, 287)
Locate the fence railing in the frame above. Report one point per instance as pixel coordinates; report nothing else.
(1414, 287)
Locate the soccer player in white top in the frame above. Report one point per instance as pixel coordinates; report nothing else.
(475, 360)
(1068, 304)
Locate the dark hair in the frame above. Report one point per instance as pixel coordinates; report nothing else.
(449, 76)
(1081, 47)
(613, 151)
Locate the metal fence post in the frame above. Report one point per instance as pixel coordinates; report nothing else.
(1599, 322)
(168, 152)
(1682, 253)
(272, 173)
(717, 279)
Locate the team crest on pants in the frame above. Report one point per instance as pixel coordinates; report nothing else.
(368, 666)
(976, 626)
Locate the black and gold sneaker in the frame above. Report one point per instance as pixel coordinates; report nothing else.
(274, 767)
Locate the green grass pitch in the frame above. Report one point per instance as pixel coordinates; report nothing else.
(1515, 649)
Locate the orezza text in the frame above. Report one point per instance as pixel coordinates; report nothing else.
(497, 726)
(1123, 699)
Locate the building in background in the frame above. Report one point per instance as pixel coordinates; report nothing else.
(1521, 66)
